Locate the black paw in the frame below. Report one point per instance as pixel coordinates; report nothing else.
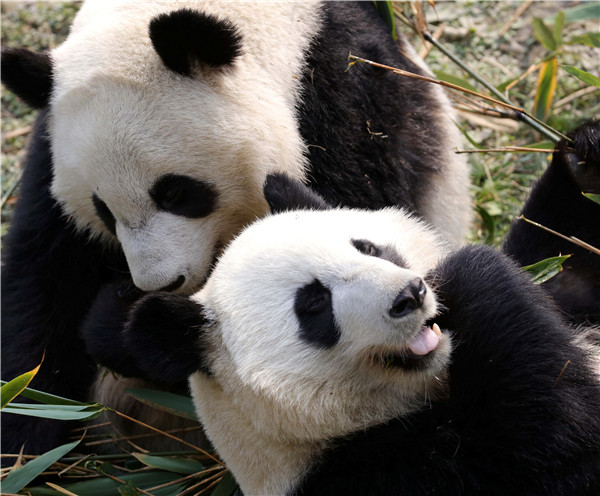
(581, 157)
(102, 329)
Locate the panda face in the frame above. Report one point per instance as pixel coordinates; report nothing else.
(166, 152)
(169, 199)
(323, 314)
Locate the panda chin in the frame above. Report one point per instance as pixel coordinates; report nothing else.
(417, 356)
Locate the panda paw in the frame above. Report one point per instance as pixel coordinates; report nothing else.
(581, 157)
(102, 329)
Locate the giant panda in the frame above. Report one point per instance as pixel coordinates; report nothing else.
(159, 122)
(343, 351)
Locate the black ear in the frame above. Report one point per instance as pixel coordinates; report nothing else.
(28, 75)
(283, 193)
(163, 335)
(186, 35)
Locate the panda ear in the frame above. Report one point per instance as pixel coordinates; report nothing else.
(163, 334)
(185, 36)
(284, 193)
(28, 75)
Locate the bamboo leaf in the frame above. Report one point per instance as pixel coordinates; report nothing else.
(593, 197)
(386, 11)
(545, 89)
(226, 487)
(110, 487)
(545, 269)
(18, 479)
(559, 24)
(488, 222)
(588, 10)
(182, 406)
(466, 135)
(129, 489)
(183, 466)
(42, 411)
(586, 77)
(47, 398)
(450, 78)
(10, 390)
(543, 34)
(543, 145)
(589, 39)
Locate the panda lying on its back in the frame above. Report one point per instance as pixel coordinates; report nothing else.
(160, 123)
(318, 366)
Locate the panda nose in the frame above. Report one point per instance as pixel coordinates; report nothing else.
(177, 283)
(409, 299)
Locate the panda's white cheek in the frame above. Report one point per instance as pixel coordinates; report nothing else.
(169, 252)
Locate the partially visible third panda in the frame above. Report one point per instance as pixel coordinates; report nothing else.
(349, 352)
(159, 124)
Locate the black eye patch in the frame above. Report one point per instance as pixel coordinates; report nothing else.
(384, 252)
(105, 214)
(185, 196)
(314, 310)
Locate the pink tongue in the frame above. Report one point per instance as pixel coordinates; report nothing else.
(424, 342)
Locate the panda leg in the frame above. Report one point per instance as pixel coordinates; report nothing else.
(556, 201)
(50, 276)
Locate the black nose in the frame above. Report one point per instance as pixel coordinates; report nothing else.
(177, 283)
(409, 299)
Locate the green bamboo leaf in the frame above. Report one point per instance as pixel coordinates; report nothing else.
(182, 406)
(593, 197)
(488, 222)
(19, 478)
(386, 11)
(559, 24)
(543, 145)
(47, 398)
(589, 39)
(129, 489)
(10, 390)
(183, 466)
(588, 10)
(110, 487)
(545, 89)
(50, 408)
(544, 34)
(466, 135)
(226, 487)
(41, 412)
(586, 77)
(545, 269)
(450, 78)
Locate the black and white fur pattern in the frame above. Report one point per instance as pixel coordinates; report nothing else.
(316, 367)
(157, 148)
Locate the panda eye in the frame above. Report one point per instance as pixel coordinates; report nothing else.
(366, 247)
(105, 214)
(384, 252)
(314, 309)
(185, 196)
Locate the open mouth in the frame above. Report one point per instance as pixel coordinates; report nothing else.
(416, 356)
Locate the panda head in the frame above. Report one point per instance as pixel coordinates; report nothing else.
(160, 141)
(315, 320)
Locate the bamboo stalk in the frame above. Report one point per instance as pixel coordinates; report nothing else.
(571, 239)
